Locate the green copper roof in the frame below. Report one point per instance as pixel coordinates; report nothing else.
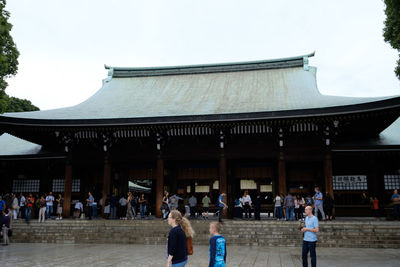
(232, 88)
(11, 145)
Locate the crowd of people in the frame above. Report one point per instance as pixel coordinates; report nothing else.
(179, 243)
(292, 207)
(191, 206)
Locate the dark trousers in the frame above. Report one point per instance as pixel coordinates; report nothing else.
(396, 211)
(221, 210)
(89, 211)
(278, 212)
(257, 212)
(192, 212)
(122, 211)
(22, 210)
(309, 246)
(247, 212)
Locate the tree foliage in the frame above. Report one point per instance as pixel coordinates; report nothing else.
(8, 50)
(391, 31)
(14, 104)
(9, 66)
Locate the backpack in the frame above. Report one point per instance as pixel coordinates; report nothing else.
(189, 245)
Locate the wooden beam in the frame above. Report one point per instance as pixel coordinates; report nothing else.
(67, 189)
(159, 184)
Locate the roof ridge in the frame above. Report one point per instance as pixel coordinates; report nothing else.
(289, 62)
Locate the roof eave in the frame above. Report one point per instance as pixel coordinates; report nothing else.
(392, 103)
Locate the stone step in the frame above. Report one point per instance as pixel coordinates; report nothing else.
(247, 233)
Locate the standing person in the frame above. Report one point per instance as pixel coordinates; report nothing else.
(310, 237)
(318, 203)
(289, 204)
(94, 209)
(122, 207)
(177, 244)
(42, 209)
(217, 247)
(78, 209)
(106, 213)
(396, 204)
(89, 205)
(5, 226)
(187, 207)
(257, 207)
(247, 204)
(283, 205)
(15, 207)
(113, 206)
(206, 205)
(222, 205)
(49, 205)
(22, 206)
(192, 205)
(238, 208)
(328, 204)
(302, 206)
(28, 209)
(296, 208)
(129, 208)
(165, 205)
(375, 207)
(278, 207)
(60, 202)
(2, 204)
(143, 206)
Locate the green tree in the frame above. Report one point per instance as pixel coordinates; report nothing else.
(391, 31)
(9, 66)
(14, 104)
(8, 50)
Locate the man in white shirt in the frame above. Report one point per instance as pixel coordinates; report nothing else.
(49, 205)
(247, 204)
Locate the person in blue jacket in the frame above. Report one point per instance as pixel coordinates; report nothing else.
(217, 246)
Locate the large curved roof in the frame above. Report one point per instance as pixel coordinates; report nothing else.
(235, 88)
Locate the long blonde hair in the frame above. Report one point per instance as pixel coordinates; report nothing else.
(182, 222)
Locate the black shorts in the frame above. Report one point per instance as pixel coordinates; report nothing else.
(205, 209)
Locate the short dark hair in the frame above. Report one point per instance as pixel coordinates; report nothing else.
(216, 225)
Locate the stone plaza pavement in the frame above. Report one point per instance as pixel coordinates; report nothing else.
(148, 255)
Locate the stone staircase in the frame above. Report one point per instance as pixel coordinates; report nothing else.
(360, 234)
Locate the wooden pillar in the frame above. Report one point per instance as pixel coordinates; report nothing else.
(159, 184)
(223, 179)
(106, 182)
(328, 174)
(282, 173)
(67, 189)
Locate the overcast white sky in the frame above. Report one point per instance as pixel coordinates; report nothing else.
(65, 44)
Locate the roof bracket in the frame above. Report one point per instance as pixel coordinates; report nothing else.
(109, 75)
(305, 63)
